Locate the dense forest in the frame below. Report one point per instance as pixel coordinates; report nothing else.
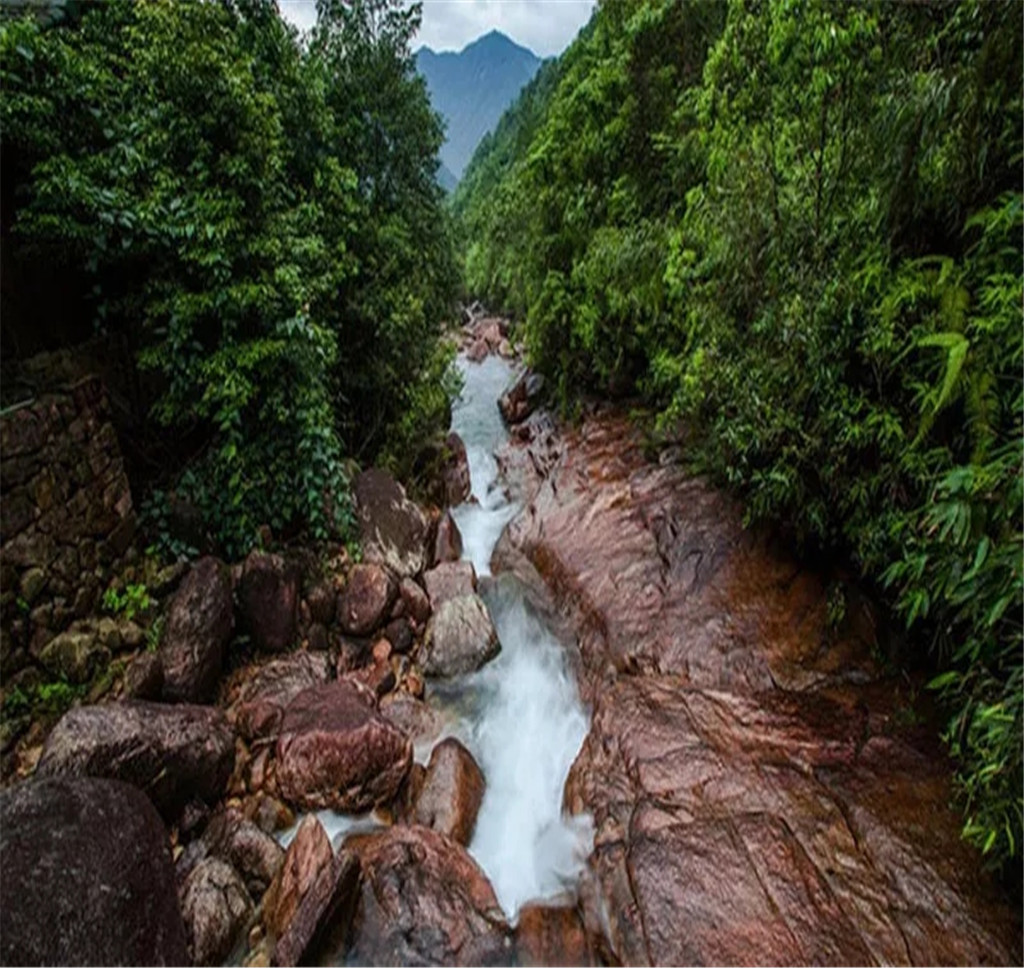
(258, 219)
(792, 232)
(787, 233)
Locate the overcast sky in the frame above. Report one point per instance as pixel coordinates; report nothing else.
(545, 26)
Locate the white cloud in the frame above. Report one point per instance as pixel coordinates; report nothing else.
(545, 26)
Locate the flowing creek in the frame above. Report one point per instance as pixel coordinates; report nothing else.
(521, 714)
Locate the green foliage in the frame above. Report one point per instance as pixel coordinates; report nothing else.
(257, 216)
(795, 226)
(48, 700)
(134, 600)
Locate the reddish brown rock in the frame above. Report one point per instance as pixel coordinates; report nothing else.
(449, 580)
(455, 472)
(336, 751)
(144, 678)
(753, 801)
(393, 531)
(199, 623)
(421, 722)
(378, 677)
(364, 602)
(520, 400)
(553, 936)
(308, 856)
(216, 908)
(400, 634)
(323, 603)
(253, 853)
(460, 638)
(424, 901)
(266, 690)
(477, 351)
(452, 792)
(268, 599)
(417, 603)
(322, 918)
(172, 753)
(448, 543)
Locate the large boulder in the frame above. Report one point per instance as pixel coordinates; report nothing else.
(87, 877)
(266, 690)
(455, 471)
(199, 624)
(268, 599)
(421, 722)
(172, 753)
(423, 901)
(452, 792)
(393, 531)
(216, 908)
(451, 579)
(337, 752)
(460, 638)
(366, 599)
(448, 540)
(520, 400)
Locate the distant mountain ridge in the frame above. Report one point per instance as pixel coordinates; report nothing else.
(471, 90)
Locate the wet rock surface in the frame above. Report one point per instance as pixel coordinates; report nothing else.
(460, 637)
(308, 855)
(753, 798)
(423, 901)
(200, 620)
(452, 792)
(449, 580)
(171, 752)
(336, 751)
(87, 877)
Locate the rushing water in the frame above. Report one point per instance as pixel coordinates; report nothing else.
(520, 715)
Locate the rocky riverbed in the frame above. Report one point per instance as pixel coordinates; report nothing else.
(722, 774)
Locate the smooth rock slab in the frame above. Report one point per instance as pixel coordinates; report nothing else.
(424, 901)
(452, 792)
(87, 877)
(171, 752)
(460, 637)
(308, 856)
(336, 751)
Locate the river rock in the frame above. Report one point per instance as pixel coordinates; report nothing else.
(393, 531)
(200, 620)
(308, 855)
(400, 634)
(421, 722)
(173, 753)
(365, 600)
(452, 792)
(423, 901)
(417, 604)
(87, 877)
(520, 400)
(267, 690)
(477, 351)
(323, 916)
(323, 603)
(460, 638)
(144, 678)
(216, 908)
(336, 751)
(549, 935)
(253, 853)
(268, 598)
(448, 541)
(455, 472)
(451, 579)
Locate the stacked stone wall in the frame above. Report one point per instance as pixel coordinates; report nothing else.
(66, 516)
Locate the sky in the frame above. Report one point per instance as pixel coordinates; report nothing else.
(545, 26)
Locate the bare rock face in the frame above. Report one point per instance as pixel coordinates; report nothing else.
(336, 751)
(200, 620)
(364, 602)
(753, 797)
(268, 599)
(394, 532)
(424, 901)
(547, 935)
(452, 792)
(460, 637)
(268, 689)
(449, 580)
(216, 907)
(448, 541)
(87, 877)
(172, 753)
(308, 856)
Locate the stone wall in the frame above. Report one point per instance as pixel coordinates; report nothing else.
(66, 516)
